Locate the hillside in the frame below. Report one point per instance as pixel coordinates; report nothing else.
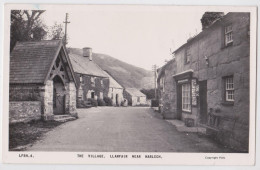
(126, 74)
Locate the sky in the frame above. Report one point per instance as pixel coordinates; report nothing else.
(139, 35)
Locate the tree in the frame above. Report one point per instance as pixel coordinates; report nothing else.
(150, 93)
(56, 32)
(26, 25)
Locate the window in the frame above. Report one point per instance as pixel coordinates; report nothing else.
(228, 35)
(80, 79)
(186, 98)
(138, 99)
(93, 81)
(101, 95)
(101, 82)
(229, 89)
(162, 82)
(80, 93)
(188, 55)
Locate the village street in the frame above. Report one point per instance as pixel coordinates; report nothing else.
(127, 129)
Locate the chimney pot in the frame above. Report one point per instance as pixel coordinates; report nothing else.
(87, 52)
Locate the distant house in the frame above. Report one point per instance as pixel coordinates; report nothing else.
(115, 91)
(92, 81)
(42, 83)
(134, 97)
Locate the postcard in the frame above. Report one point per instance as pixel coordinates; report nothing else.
(129, 84)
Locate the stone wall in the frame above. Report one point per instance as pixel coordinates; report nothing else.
(48, 101)
(25, 92)
(167, 98)
(87, 86)
(211, 60)
(24, 111)
(71, 106)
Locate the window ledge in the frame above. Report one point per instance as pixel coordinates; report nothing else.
(227, 103)
(228, 45)
(185, 111)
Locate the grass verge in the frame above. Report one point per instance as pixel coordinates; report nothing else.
(24, 134)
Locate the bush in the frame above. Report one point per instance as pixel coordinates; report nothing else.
(101, 102)
(93, 102)
(108, 101)
(80, 104)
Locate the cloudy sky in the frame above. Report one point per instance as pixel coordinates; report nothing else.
(138, 35)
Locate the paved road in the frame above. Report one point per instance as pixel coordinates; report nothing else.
(115, 129)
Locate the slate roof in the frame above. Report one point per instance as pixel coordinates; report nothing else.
(112, 82)
(31, 61)
(135, 92)
(83, 65)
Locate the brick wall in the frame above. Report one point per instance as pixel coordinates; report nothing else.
(24, 111)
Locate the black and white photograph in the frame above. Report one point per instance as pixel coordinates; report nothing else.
(130, 83)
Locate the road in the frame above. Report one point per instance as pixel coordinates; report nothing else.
(122, 129)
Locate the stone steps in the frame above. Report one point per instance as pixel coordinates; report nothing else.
(63, 118)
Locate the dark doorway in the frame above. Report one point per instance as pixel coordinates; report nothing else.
(92, 95)
(203, 101)
(179, 101)
(117, 100)
(58, 96)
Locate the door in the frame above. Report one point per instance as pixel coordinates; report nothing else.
(117, 100)
(203, 101)
(58, 97)
(179, 101)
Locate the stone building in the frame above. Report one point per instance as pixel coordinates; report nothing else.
(115, 91)
(134, 97)
(92, 81)
(42, 82)
(207, 82)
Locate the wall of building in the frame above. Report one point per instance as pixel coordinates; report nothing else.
(167, 97)
(24, 111)
(112, 94)
(44, 95)
(222, 61)
(87, 87)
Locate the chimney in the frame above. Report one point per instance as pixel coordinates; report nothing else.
(87, 52)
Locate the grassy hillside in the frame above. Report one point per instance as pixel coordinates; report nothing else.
(126, 74)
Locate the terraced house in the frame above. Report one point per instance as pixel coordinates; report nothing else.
(207, 81)
(93, 82)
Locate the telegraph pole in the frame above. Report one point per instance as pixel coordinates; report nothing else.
(154, 68)
(66, 23)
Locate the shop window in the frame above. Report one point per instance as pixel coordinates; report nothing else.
(229, 89)
(186, 97)
(228, 35)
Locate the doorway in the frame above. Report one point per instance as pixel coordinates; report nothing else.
(58, 96)
(203, 101)
(179, 101)
(117, 104)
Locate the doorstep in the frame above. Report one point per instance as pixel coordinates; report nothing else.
(63, 118)
(180, 126)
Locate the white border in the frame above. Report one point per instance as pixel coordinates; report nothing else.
(179, 158)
